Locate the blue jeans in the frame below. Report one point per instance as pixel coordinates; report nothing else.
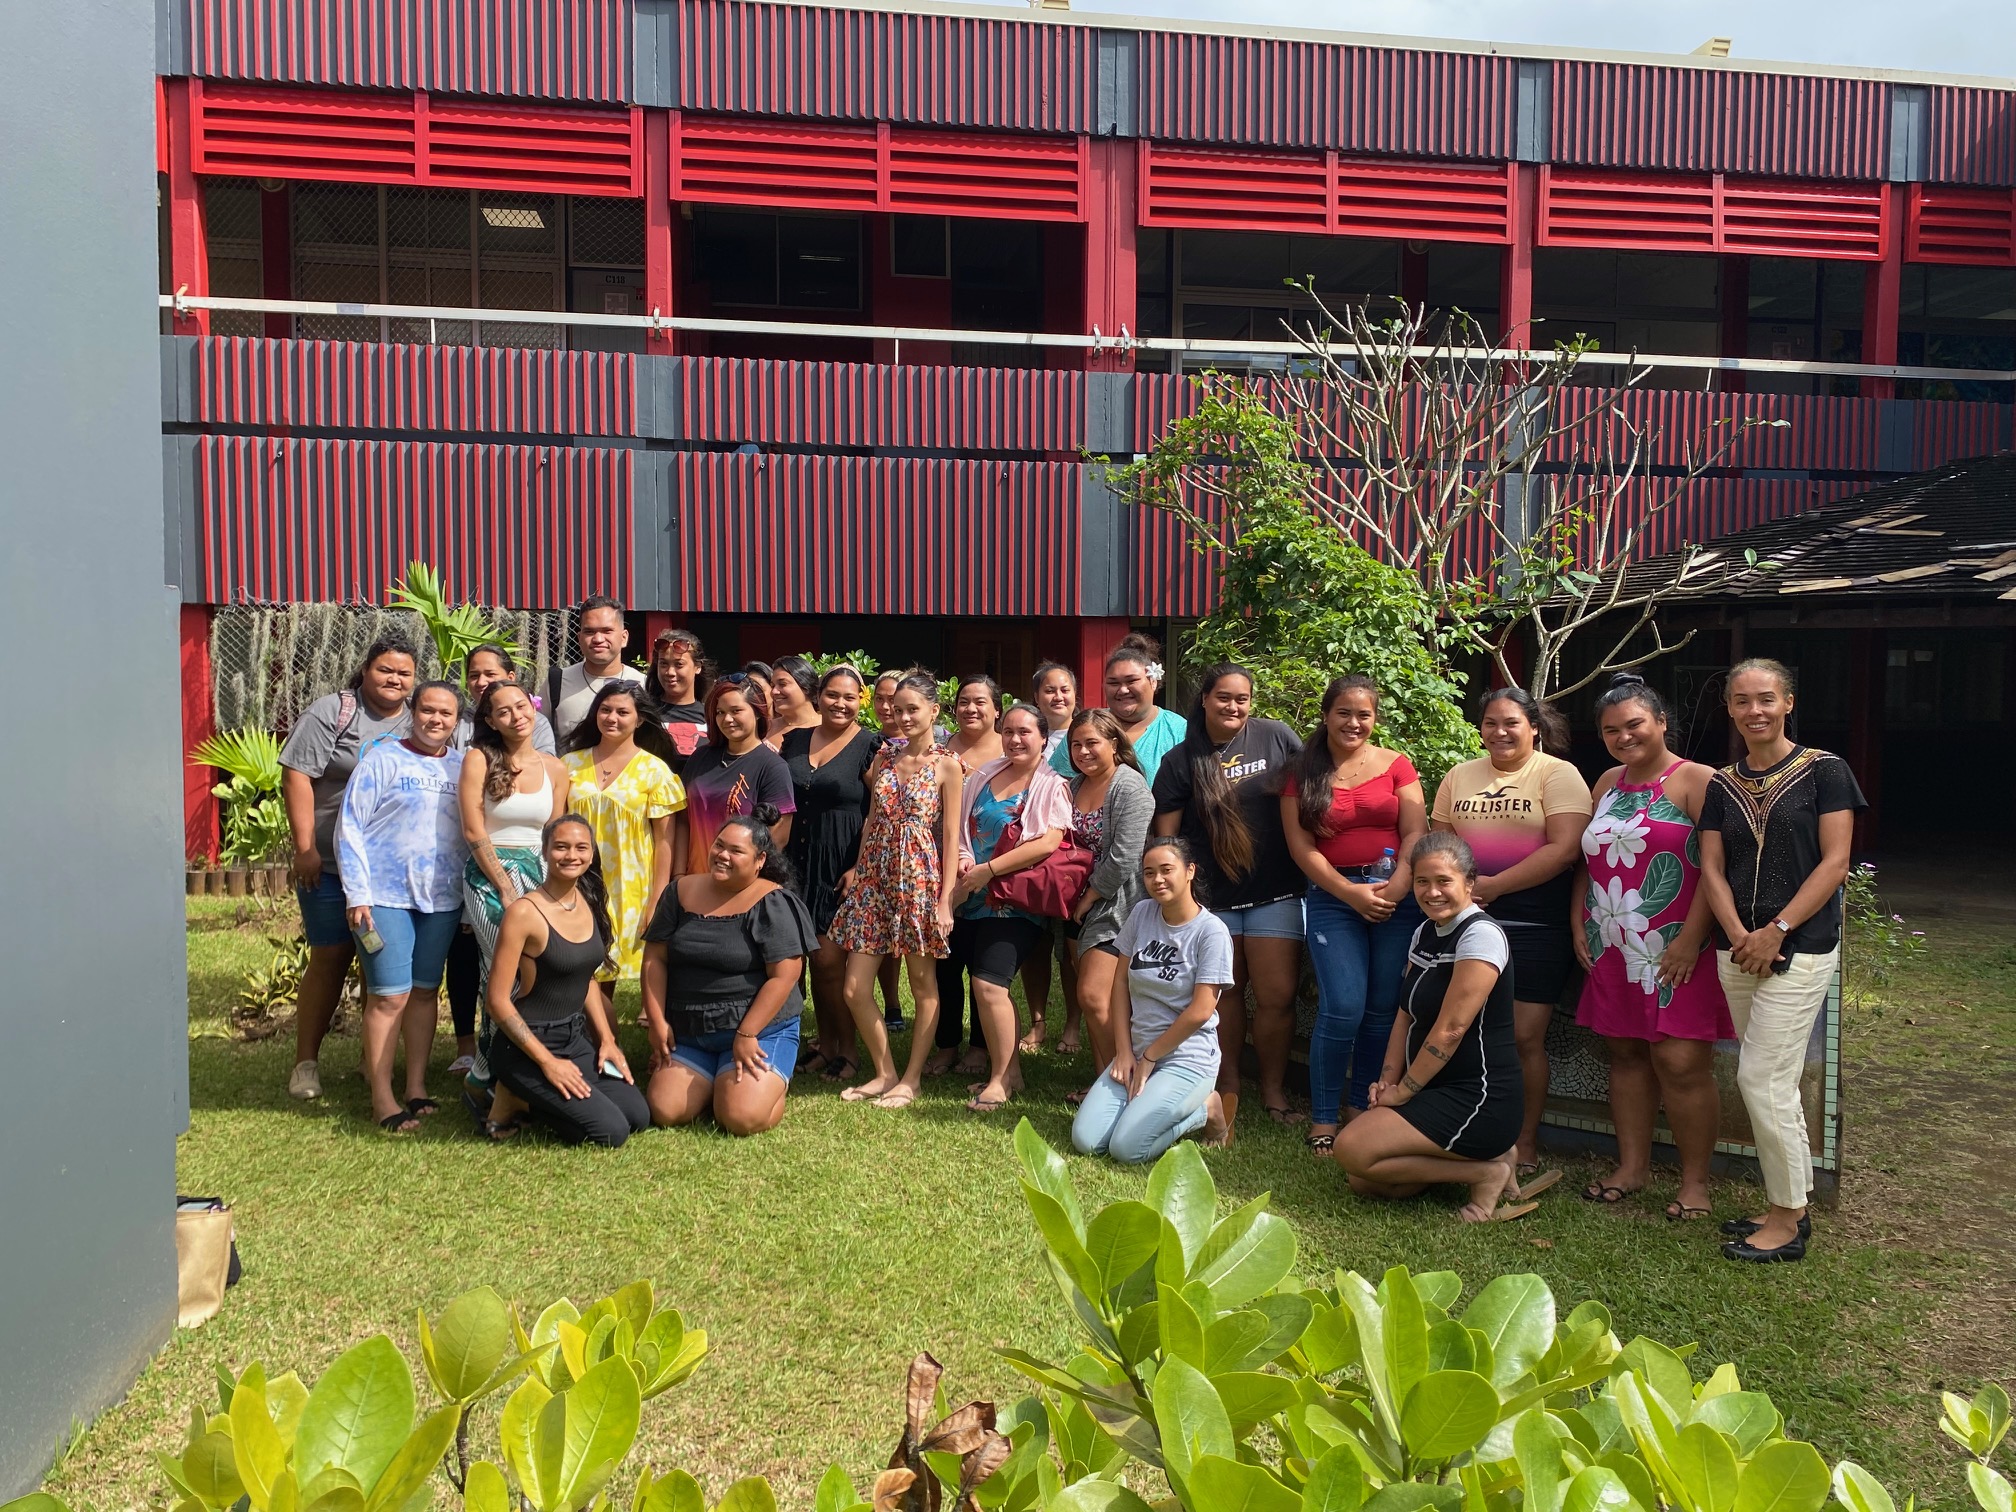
(1135, 1130)
(1358, 968)
(711, 1054)
(415, 953)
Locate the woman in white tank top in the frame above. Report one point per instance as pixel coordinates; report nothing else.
(510, 792)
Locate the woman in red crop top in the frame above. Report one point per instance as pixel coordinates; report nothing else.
(1350, 808)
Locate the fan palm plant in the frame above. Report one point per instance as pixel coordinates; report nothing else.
(255, 819)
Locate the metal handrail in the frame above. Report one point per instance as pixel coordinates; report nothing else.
(1098, 341)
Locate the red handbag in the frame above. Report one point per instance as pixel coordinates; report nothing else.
(1052, 887)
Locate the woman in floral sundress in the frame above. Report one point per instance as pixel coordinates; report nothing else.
(897, 899)
(1641, 923)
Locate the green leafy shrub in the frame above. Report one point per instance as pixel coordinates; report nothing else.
(255, 819)
(455, 629)
(1881, 944)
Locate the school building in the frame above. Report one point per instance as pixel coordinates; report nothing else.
(802, 189)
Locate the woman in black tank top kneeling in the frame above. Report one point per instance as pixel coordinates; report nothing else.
(1448, 1104)
(555, 1048)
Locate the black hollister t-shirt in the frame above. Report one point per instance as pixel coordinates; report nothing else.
(1256, 763)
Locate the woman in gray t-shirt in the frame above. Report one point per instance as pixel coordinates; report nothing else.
(1160, 1086)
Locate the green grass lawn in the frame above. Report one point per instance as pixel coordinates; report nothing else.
(821, 1257)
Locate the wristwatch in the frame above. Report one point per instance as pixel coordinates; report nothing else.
(1783, 927)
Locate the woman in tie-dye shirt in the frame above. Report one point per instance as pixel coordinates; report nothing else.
(734, 773)
(1522, 812)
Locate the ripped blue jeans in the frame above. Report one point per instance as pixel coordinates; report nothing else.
(1358, 969)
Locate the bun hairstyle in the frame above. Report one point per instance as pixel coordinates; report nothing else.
(1548, 721)
(1629, 687)
(920, 682)
(1445, 843)
(775, 867)
(1143, 650)
(502, 774)
(1315, 767)
(1231, 840)
(592, 886)
(385, 645)
(1184, 854)
(1044, 670)
(1103, 721)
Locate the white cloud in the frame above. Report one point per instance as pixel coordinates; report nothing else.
(1942, 36)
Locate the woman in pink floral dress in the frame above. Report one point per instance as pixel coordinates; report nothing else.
(897, 901)
(1641, 923)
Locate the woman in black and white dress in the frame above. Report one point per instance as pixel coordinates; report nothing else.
(1448, 1103)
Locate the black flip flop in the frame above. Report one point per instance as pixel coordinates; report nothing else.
(1609, 1196)
(422, 1107)
(844, 1070)
(1322, 1144)
(402, 1122)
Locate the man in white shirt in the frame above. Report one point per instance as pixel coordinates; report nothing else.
(600, 633)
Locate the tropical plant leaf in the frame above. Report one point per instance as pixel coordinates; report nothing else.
(1180, 1188)
(1516, 1316)
(1229, 1485)
(1446, 1413)
(355, 1418)
(1787, 1476)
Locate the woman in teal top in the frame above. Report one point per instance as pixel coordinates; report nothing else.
(1133, 677)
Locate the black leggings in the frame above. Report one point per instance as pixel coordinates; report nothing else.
(465, 967)
(992, 949)
(610, 1114)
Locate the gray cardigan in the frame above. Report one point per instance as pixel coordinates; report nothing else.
(1116, 875)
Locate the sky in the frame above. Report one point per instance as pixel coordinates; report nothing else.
(1936, 36)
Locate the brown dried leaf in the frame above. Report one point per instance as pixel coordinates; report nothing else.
(962, 1432)
(981, 1463)
(921, 1400)
(889, 1488)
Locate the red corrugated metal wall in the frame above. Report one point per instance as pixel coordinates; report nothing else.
(1948, 431)
(552, 49)
(868, 404)
(531, 527)
(1312, 94)
(1719, 120)
(1325, 192)
(253, 381)
(875, 535)
(748, 58)
(1713, 508)
(1973, 136)
(1956, 225)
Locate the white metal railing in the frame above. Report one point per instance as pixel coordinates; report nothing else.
(1098, 341)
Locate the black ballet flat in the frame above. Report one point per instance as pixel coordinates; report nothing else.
(1743, 1228)
(1743, 1249)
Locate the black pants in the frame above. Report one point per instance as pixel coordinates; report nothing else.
(610, 1114)
(991, 949)
(465, 967)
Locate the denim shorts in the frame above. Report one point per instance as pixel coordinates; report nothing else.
(324, 915)
(415, 953)
(1279, 920)
(712, 1054)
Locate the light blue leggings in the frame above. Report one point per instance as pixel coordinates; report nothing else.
(1132, 1131)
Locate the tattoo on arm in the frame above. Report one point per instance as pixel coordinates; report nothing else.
(1440, 1055)
(517, 1031)
(1410, 1084)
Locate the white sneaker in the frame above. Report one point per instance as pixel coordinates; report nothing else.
(306, 1082)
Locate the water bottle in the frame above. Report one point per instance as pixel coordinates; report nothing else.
(1382, 869)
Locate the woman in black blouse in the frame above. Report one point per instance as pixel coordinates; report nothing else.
(722, 962)
(1776, 829)
(828, 763)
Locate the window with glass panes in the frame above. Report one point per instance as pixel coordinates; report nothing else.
(1956, 317)
(1647, 302)
(231, 226)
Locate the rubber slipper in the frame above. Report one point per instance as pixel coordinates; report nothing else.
(1609, 1196)
(1538, 1185)
(1284, 1115)
(1679, 1212)
(422, 1107)
(986, 1105)
(1322, 1144)
(895, 1098)
(401, 1122)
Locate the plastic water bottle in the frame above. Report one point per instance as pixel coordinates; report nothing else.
(1382, 869)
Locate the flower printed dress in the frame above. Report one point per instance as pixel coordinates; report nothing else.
(893, 907)
(1644, 864)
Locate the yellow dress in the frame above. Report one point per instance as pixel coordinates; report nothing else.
(621, 817)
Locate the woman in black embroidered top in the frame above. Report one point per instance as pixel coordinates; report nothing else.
(1449, 1101)
(722, 963)
(1776, 829)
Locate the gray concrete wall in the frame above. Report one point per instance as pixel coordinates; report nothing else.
(93, 1005)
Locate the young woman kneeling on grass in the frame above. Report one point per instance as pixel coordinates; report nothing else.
(1161, 1085)
(722, 963)
(554, 1048)
(1449, 1101)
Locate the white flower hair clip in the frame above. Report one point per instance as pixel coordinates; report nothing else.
(1154, 671)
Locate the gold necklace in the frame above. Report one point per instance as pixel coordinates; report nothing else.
(567, 907)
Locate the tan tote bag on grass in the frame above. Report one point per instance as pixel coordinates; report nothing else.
(206, 1258)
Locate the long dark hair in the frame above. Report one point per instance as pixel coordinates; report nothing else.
(491, 648)
(593, 886)
(1103, 721)
(1315, 767)
(650, 736)
(1231, 839)
(703, 670)
(502, 775)
(1549, 723)
(776, 866)
(743, 683)
(1199, 893)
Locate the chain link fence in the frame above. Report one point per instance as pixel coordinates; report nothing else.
(269, 662)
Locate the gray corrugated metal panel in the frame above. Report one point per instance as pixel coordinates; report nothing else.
(178, 379)
(1897, 436)
(654, 47)
(1102, 583)
(658, 393)
(181, 558)
(1119, 70)
(1255, 91)
(171, 38)
(1910, 133)
(1625, 116)
(750, 58)
(540, 49)
(1109, 414)
(651, 571)
(1532, 127)
(1973, 136)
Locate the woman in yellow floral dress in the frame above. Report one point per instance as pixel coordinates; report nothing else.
(632, 801)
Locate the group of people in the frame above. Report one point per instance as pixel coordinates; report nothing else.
(725, 839)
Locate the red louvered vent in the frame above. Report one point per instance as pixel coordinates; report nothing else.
(746, 160)
(1325, 193)
(247, 131)
(477, 145)
(1712, 212)
(732, 160)
(252, 132)
(1954, 225)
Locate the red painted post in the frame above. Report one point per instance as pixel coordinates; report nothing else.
(1515, 277)
(660, 227)
(188, 246)
(1111, 174)
(276, 254)
(199, 723)
(1096, 640)
(1883, 296)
